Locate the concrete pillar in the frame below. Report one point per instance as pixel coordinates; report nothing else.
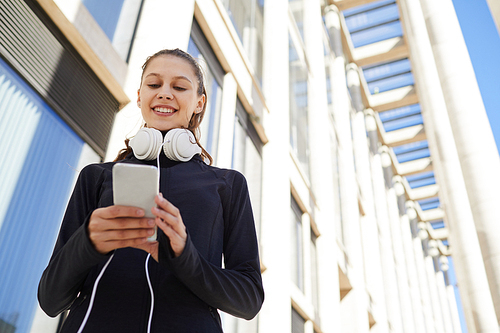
(415, 292)
(474, 139)
(371, 251)
(354, 304)
(275, 315)
(422, 278)
(448, 171)
(455, 318)
(321, 170)
(380, 162)
(443, 300)
(393, 195)
(431, 280)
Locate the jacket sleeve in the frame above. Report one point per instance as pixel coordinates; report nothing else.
(236, 289)
(74, 255)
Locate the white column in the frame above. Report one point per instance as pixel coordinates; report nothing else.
(455, 318)
(415, 292)
(369, 232)
(399, 256)
(431, 279)
(227, 118)
(321, 167)
(443, 300)
(354, 304)
(275, 315)
(422, 278)
(453, 195)
(474, 139)
(391, 290)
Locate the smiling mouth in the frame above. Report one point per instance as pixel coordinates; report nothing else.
(164, 110)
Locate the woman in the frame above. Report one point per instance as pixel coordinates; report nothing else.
(203, 214)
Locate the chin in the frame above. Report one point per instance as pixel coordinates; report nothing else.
(160, 127)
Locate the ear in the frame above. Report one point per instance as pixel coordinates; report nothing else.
(200, 104)
(139, 98)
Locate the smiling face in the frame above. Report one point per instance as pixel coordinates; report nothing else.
(168, 95)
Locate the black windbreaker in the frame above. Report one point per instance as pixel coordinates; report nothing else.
(188, 290)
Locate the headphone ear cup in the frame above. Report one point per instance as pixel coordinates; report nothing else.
(146, 143)
(180, 145)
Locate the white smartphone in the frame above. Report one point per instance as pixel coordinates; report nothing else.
(136, 185)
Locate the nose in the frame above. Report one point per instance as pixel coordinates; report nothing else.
(165, 94)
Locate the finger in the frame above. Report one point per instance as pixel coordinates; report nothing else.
(131, 223)
(101, 225)
(168, 217)
(169, 213)
(122, 235)
(175, 222)
(171, 232)
(166, 205)
(119, 211)
(177, 242)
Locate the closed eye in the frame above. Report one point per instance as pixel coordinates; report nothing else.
(153, 85)
(180, 88)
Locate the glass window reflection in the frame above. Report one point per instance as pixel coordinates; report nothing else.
(210, 125)
(247, 17)
(298, 95)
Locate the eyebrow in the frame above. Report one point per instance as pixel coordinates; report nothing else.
(178, 77)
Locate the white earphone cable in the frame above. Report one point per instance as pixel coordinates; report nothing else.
(158, 161)
(149, 254)
(94, 289)
(152, 294)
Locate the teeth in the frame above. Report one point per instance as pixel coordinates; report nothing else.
(164, 110)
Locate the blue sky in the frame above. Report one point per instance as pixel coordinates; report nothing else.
(483, 43)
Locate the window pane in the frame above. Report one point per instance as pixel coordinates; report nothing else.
(247, 18)
(314, 277)
(377, 34)
(372, 18)
(297, 8)
(298, 90)
(117, 19)
(247, 160)
(373, 22)
(297, 256)
(382, 71)
(297, 322)
(210, 125)
(105, 13)
(402, 117)
(39, 154)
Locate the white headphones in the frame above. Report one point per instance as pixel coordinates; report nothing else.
(179, 144)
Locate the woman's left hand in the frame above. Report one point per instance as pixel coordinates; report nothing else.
(168, 219)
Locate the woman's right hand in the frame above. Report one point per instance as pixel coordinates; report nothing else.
(115, 227)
